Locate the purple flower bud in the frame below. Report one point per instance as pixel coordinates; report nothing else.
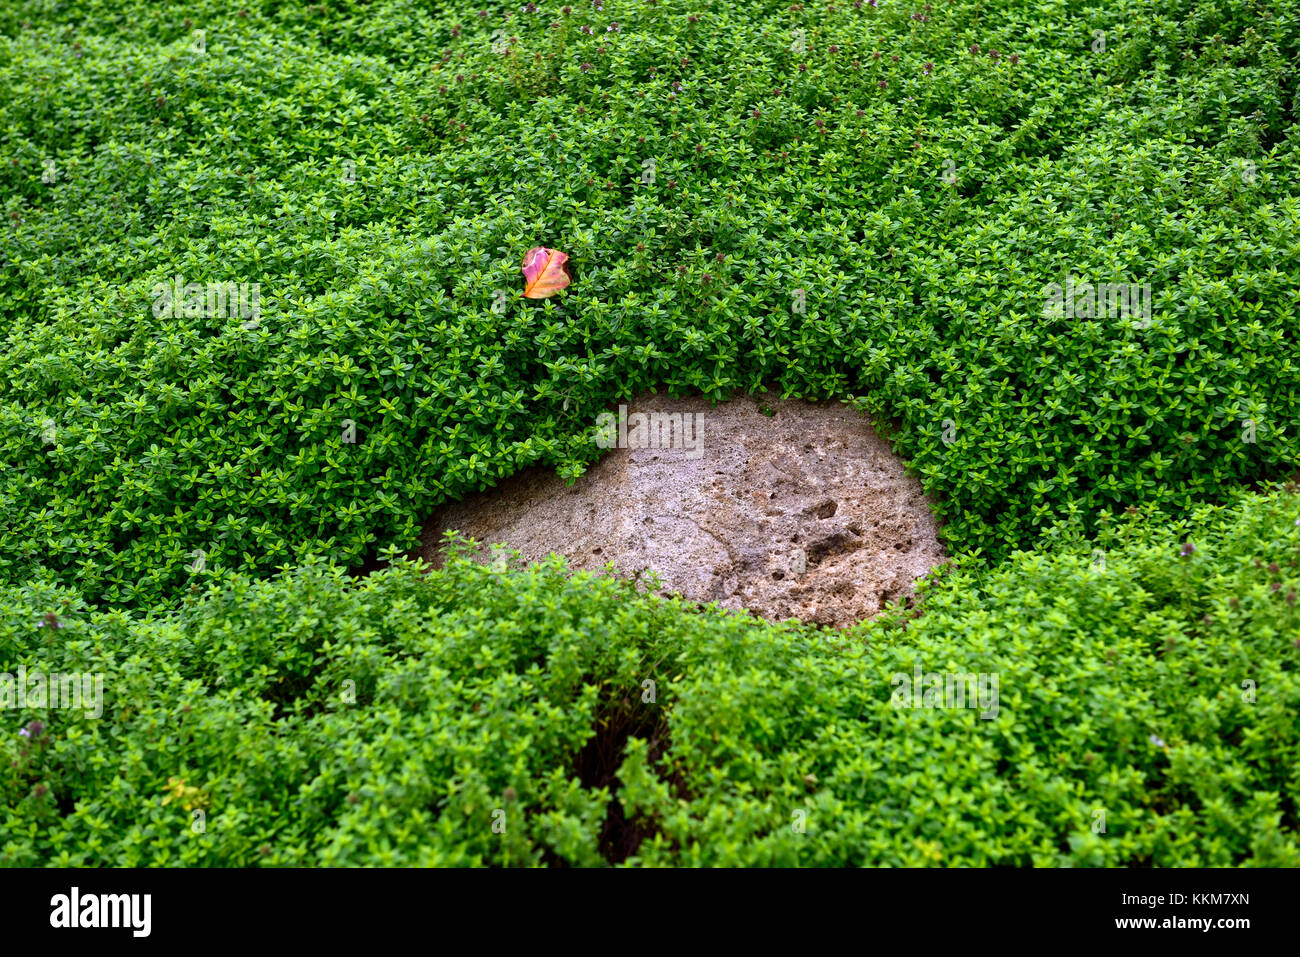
(612, 28)
(1187, 550)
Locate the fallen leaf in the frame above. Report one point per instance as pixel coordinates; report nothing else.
(545, 272)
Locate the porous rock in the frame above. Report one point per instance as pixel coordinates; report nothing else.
(805, 512)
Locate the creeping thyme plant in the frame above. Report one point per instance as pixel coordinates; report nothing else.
(842, 200)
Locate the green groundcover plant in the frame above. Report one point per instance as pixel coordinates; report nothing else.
(842, 198)
(866, 200)
(1148, 686)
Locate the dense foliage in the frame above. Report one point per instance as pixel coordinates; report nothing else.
(317, 719)
(908, 175)
(862, 199)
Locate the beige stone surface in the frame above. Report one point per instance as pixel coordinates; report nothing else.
(805, 513)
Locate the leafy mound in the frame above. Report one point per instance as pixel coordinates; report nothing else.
(525, 717)
(836, 198)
